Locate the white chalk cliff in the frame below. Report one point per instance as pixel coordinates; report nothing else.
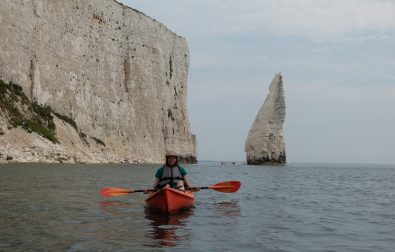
(265, 140)
(119, 74)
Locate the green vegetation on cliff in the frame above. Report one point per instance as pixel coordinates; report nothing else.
(20, 111)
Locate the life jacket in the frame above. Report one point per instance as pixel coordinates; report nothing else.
(170, 176)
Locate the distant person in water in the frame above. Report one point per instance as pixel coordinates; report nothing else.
(172, 174)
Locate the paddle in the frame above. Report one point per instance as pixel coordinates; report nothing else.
(225, 187)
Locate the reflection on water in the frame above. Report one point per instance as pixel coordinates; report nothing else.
(228, 208)
(115, 207)
(168, 229)
(105, 205)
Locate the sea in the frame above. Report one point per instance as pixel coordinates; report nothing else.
(294, 207)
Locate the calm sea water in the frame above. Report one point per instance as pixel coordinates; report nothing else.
(296, 207)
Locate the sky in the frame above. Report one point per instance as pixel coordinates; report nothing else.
(337, 58)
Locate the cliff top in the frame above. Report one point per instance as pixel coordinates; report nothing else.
(126, 6)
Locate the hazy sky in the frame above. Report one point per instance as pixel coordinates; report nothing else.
(337, 58)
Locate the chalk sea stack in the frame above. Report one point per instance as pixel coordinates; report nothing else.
(115, 78)
(265, 141)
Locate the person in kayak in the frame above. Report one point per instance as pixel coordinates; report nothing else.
(172, 174)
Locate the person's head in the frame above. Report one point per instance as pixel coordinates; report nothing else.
(171, 158)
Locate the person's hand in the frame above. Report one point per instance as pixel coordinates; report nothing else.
(146, 191)
(195, 188)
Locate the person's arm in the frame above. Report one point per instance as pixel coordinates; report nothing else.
(156, 182)
(186, 182)
(155, 185)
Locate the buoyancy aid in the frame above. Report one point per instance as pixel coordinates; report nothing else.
(171, 176)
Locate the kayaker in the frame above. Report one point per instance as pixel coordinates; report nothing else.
(172, 174)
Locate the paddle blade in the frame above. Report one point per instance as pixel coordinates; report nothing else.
(226, 187)
(113, 192)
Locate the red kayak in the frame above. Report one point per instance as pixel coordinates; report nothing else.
(170, 200)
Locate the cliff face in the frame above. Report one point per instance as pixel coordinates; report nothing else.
(119, 74)
(265, 141)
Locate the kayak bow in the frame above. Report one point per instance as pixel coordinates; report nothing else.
(170, 200)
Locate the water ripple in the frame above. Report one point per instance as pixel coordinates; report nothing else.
(297, 207)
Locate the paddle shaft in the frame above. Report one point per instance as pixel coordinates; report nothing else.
(194, 188)
(139, 190)
(133, 191)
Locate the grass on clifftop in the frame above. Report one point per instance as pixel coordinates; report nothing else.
(22, 112)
